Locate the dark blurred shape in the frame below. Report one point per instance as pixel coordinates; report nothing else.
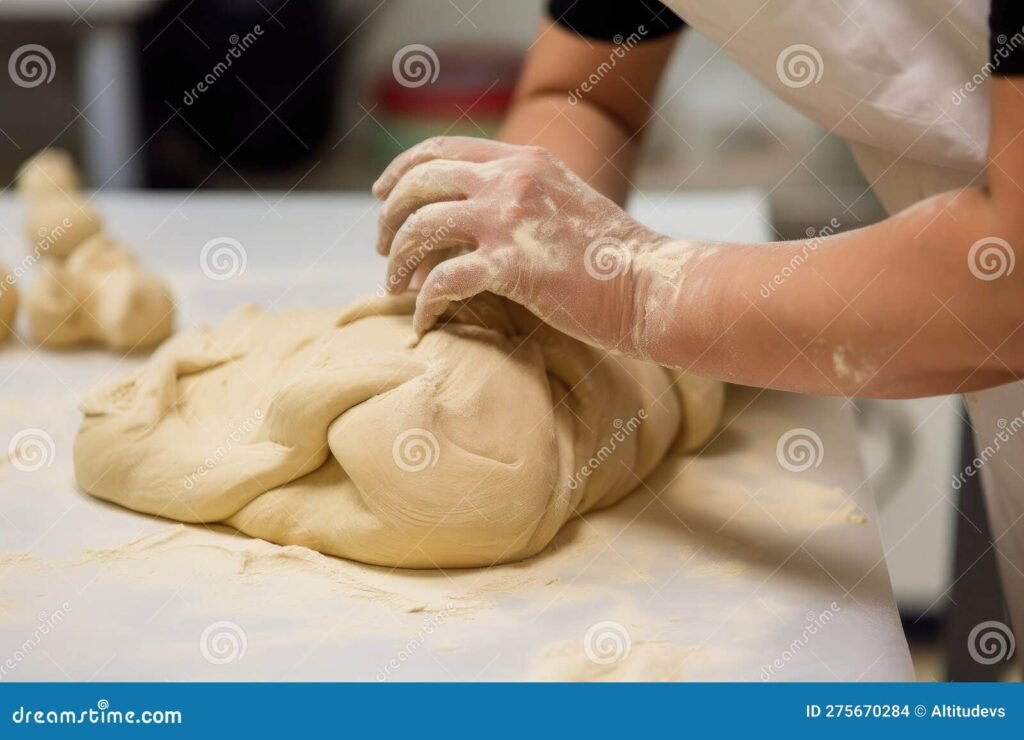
(36, 116)
(252, 83)
(977, 593)
(452, 90)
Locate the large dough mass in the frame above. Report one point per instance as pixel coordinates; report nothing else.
(329, 430)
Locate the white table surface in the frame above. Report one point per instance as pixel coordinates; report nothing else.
(715, 569)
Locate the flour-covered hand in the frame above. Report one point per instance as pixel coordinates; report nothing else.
(484, 216)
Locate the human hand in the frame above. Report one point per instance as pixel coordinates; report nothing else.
(484, 216)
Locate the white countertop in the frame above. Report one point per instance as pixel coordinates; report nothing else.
(717, 568)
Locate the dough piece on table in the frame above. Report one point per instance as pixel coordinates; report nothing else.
(328, 430)
(100, 295)
(58, 223)
(49, 172)
(8, 303)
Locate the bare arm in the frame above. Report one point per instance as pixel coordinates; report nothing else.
(922, 303)
(594, 127)
(900, 308)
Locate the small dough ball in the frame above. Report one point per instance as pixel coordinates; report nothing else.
(8, 303)
(51, 171)
(57, 224)
(99, 295)
(53, 306)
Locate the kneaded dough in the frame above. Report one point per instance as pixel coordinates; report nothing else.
(56, 224)
(49, 172)
(100, 295)
(8, 303)
(328, 429)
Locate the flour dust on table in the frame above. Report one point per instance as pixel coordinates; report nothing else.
(332, 430)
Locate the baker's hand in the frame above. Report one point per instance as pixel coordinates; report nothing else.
(484, 216)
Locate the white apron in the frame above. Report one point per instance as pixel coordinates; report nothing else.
(889, 78)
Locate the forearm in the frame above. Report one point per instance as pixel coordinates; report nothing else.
(890, 310)
(590, 141)
(586, 101)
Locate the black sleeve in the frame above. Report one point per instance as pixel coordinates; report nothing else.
(1006, 43)
(615, 20)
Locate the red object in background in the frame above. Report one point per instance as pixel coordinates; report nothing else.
(453, 90)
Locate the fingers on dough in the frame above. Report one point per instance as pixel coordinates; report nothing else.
(461, 148)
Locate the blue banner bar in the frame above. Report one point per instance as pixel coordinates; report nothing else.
(522, 710)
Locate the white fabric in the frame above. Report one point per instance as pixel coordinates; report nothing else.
(891, 83)
(889, 71)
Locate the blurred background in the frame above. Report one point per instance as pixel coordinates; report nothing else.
(292, 95)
